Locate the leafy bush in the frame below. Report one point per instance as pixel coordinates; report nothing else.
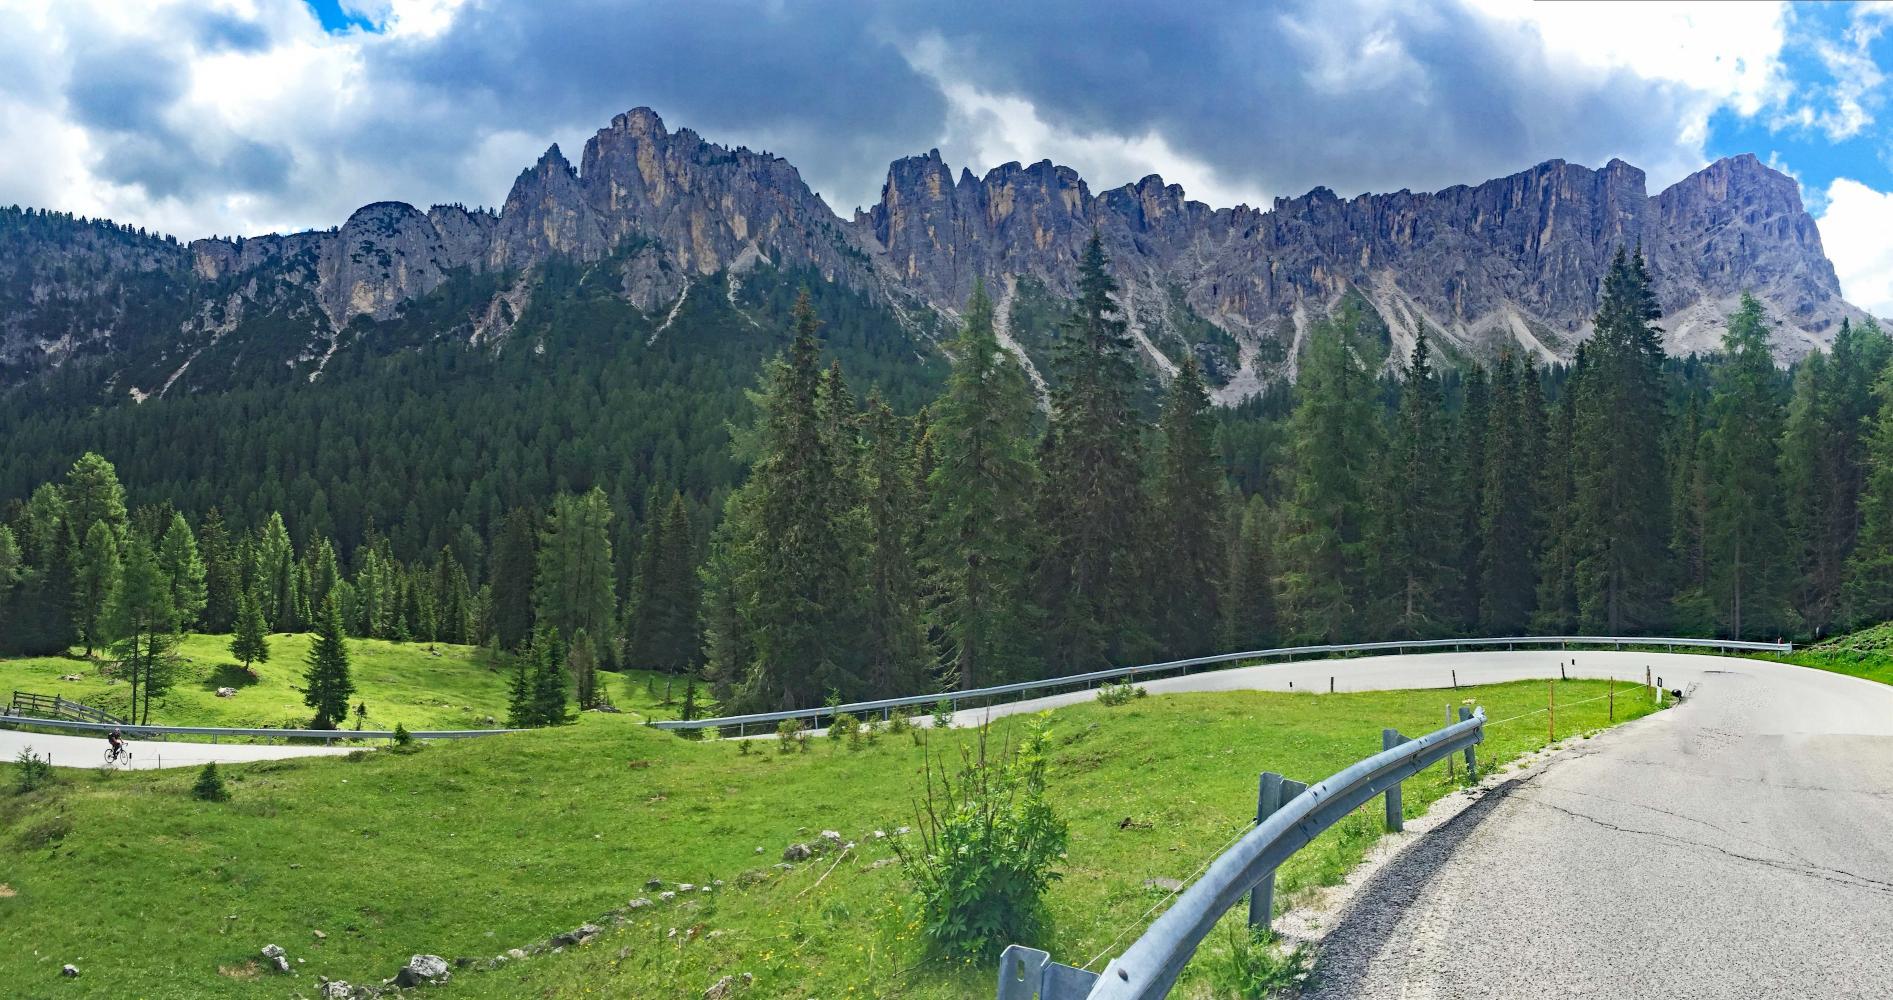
(898, 724)
(1113, 695)
(943, 714)
(210, 787)
(987, 845)
(30, 772)
(789, 735)
(845, 727)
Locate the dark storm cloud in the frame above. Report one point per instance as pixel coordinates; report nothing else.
(123, 88)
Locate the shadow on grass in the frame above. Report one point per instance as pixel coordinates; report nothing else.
(227, 675)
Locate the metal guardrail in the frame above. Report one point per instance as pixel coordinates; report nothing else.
(954, 698)
(326, 735)
(1288, 816)
(59, 707)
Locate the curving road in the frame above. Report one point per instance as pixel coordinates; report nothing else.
(86, 751)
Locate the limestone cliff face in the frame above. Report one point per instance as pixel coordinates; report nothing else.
(1510, 263)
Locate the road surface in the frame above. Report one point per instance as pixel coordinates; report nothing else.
(86, 751)
(1740, 845)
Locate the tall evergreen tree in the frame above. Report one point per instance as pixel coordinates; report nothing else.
(1190, 557)
(1745, 540)
(221, 583)
(327, 684)
(1326, 519)
(1469, 474)
(980, 492)
(1249, 619)
(895, 639)
(276, 576)
(576, 582)
(515, 560)
(1508, 523)
(1414, 542)
(1621, 508)
(1868, 597)
(95, 576)
(178, 557)
(142, 624)
(93, 495)
(1092, 501)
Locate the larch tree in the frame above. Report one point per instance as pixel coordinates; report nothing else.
(576, 583)
(142, 623)
(95, 575)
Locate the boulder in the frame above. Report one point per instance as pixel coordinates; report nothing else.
(423, 969)
(577, 935)
(277, 957)
(69, 971)
(829, 839)
(726, 987)
(334, 989)
(797, 852)
(226, 692)
(637, 904)
(1163, 884)
(665, 897)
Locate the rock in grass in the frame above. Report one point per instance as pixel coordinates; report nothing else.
(577, 935)
(637, 904)
(1163, 884)
(277, 957)
(70, 971)
(423, 969)
(797, 852)
(726, 987)
(334, 989)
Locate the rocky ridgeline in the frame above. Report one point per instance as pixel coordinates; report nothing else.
(1512, 261)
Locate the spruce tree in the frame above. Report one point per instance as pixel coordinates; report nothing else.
(220, 573)
(980, 493)
(178, 557)
(521, 710)
(93, 495)
(1414, 541)
(276, 568)
(1469, 474)
(649, 598)
(1689, 521)
(682, 648)
(549, 698)
(515, 560)
(1868, 597)
(894, 636)
(1092, 501)
(326, 683)
(1325, 522)
(250, 641)
(1190, 555)
(1745, 540)
(95, 576)
(1621, 508)
(582, 661)
(1557, 608)
(576, 583)
(1508, 522)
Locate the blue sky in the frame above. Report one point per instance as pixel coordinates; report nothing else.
(202, 117)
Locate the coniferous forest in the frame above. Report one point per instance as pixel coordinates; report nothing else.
(858, 520)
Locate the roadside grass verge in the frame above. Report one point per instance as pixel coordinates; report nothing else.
(415, 684)
(472, 848)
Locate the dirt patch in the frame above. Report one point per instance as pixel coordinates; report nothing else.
(7, 891)
(246, 971)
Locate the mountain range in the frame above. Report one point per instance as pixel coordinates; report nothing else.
(1512, 263)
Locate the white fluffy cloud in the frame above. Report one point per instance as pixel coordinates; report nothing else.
(1855, 228)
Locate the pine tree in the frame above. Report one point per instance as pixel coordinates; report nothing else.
(1745, 537)
(1326, 519)
(1508, 523)
(1469, 487)
(549, 698)
(1689, 521)
(650, 610)
(1249, 620)
(93, 495)
(980, 493)
(895, 638)
(576, 582)
(142, 623)
(95, 576)
(1414, 543)
(521, 712)
(250, 641)
(1557, 606)
(177, 556)
(326, 683)
(682, 648)
(582, 661)
(1189, 559)
(1621, 508)
(1868, 595)
(1092, 503)
(515, 560)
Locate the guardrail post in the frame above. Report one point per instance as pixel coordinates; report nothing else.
(1268, 798)
(1472, 761)
(1390, 738)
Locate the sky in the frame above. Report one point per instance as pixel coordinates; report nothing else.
(227, 117)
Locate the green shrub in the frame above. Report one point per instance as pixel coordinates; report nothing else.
(845, 727)
(789, 735)
(898, 725)
(1112, 695)
(30, 772)
(1255, 966)
(209, 785)
(943, 714)
(986, 849)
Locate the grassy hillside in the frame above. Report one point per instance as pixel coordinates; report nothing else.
(473, 848)
(1867, 653)
(419, 685)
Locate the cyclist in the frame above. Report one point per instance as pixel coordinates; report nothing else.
(117, 741)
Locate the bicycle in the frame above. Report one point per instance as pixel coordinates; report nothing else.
(115, 756)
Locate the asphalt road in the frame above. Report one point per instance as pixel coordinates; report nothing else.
(1740, 845)
(86, 751)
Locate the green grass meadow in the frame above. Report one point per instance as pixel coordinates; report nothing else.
(475, 847)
